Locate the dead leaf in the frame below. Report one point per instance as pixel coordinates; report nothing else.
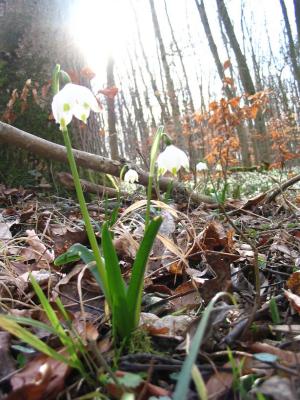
(293, 282)
(294, 300)
(8, 364)
(42, 378)
(170, 325)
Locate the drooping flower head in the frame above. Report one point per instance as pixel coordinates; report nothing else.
(172, 159)
(201, 166)
(131, 176)
(73, 100)
(219, 167)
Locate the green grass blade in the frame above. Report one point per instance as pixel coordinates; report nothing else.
(50, 312)
(31, 322)
(135, 289)
(185, 373)
(116, 284)
(199, 383)
(11, 326)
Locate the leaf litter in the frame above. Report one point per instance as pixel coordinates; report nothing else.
(197, 254)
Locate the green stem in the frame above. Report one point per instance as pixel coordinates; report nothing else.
(149, 195)
(85, 214)
(153, 156)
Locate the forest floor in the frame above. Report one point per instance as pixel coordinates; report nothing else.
(250, 349)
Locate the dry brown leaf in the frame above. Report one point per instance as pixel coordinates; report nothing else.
(293, 282)
(294, 300)
(42, 378)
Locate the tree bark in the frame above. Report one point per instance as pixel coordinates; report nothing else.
(112, 131)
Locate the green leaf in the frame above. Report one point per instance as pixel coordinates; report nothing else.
(26, 336)
(135, 290)
(265, 357)
(76, 252)
(117, 289)
(130, 380)
(185, 373)
(49, 312)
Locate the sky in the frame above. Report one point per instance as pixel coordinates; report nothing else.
(104, 27)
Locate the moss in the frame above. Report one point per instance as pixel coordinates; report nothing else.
(140, 342)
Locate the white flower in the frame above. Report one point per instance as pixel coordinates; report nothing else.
(131, 176)
(73, 100)
(201, 166)
(172, 159)
(219, 167)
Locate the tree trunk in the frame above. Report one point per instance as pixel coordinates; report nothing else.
(111, 113)
(297, 19)
(164, 113)
(246, 80)
(242, 134)
(191, 103)
(170, 85)
(292, 48)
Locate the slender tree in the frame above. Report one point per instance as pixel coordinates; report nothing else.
(156, 92)
(297, 19)
(170, 84)
(179, 52)
(292, 48)
(242, 134)
(246, 79)
(111, 112)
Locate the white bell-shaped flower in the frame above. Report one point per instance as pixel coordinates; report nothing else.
(201, 166)
(73, 100)
(131, 176)
(219, 167)
(172, 159)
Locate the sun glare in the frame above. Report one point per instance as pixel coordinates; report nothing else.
(102, 28)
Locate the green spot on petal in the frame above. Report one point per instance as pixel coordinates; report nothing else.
(86, 105)
(83, 118)
(66, 107)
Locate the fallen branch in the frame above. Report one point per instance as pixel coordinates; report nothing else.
(89, 187)
(43, 148)
(273, 193)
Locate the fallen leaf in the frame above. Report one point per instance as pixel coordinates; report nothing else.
(42, 378)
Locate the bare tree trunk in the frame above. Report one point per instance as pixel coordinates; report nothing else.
(170, 85)
(111, 113)
(144, 132)
(242, 134)
(191, 103)
(297, 19)
(164, 113)
(245, 76)
(292, 48)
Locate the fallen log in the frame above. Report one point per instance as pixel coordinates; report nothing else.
(89, 187)
(12, 136)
